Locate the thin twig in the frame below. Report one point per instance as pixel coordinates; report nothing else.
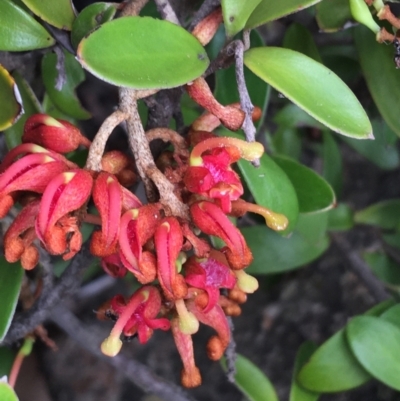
(68, 283)
(61, 78)
(166, 11)
(230, 354)
(245, 102)
(206, 8)
(361, 269)
(136, 372)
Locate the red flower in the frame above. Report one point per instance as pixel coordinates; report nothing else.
(137, 316)
(20, 235)
(136, 228)
(56, 225)
(32, 172)
(168, 241)
(210, 173)
(107, 196)
(212, 221)
(209, 275)
(57, 135)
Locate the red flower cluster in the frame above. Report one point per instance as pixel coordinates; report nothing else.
(180, 271)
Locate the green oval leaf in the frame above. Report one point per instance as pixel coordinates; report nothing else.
(384, 214)
(10, 284)
(332, 162)
(287, 142)
(271, 10)
(30, 105)
(7, 393)
(332, 15)
(58, 13)
(333, 367)
(276, 254)
(313, 192)
(65, 99)
(307, 83)
(6, 361)
(382, 151)
(10, 99)
(19, 31)
(340, 218)
(385, 268)
(90, 18)
(143, 53)
(236, 14)
(299, 38)
(252, 382)
(392, 315)
(298, 393)
(376, 345)
(380, 74)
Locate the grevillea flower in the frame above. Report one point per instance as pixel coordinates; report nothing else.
(56, 225)
(137, 316)
(210, 173)
(107, 196)
(57, 135)
(216, 319)
(31, 148)
(168, 240)
(213, 221)
(136, 228)
(190, 375)
(32, 172)
(113, 265)
(210, 275)
(20, 235)
(230, 116)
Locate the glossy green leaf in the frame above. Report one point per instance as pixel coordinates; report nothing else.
(392, 315)
(340, 218)
(236, 14)
(299, 38)
(276, 254)
(293, 116)
(30, 105)
(6, 361)
(90, 18)
(7, 393)
(381, 151)
(333, 367)
(19, 31)
(384, 214)
(314, 194)
(287, 141)
(332, 162)
(385, 268)
(50, 108)
(376, 345)
(64, 99)
(252, 382)
(143, 53)
(307, 83)
(271, 10)
(297, 392)
(10, 284)
(332, 15)
(380, 74)
(10, 100)
(259, 91)
(58, 13)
